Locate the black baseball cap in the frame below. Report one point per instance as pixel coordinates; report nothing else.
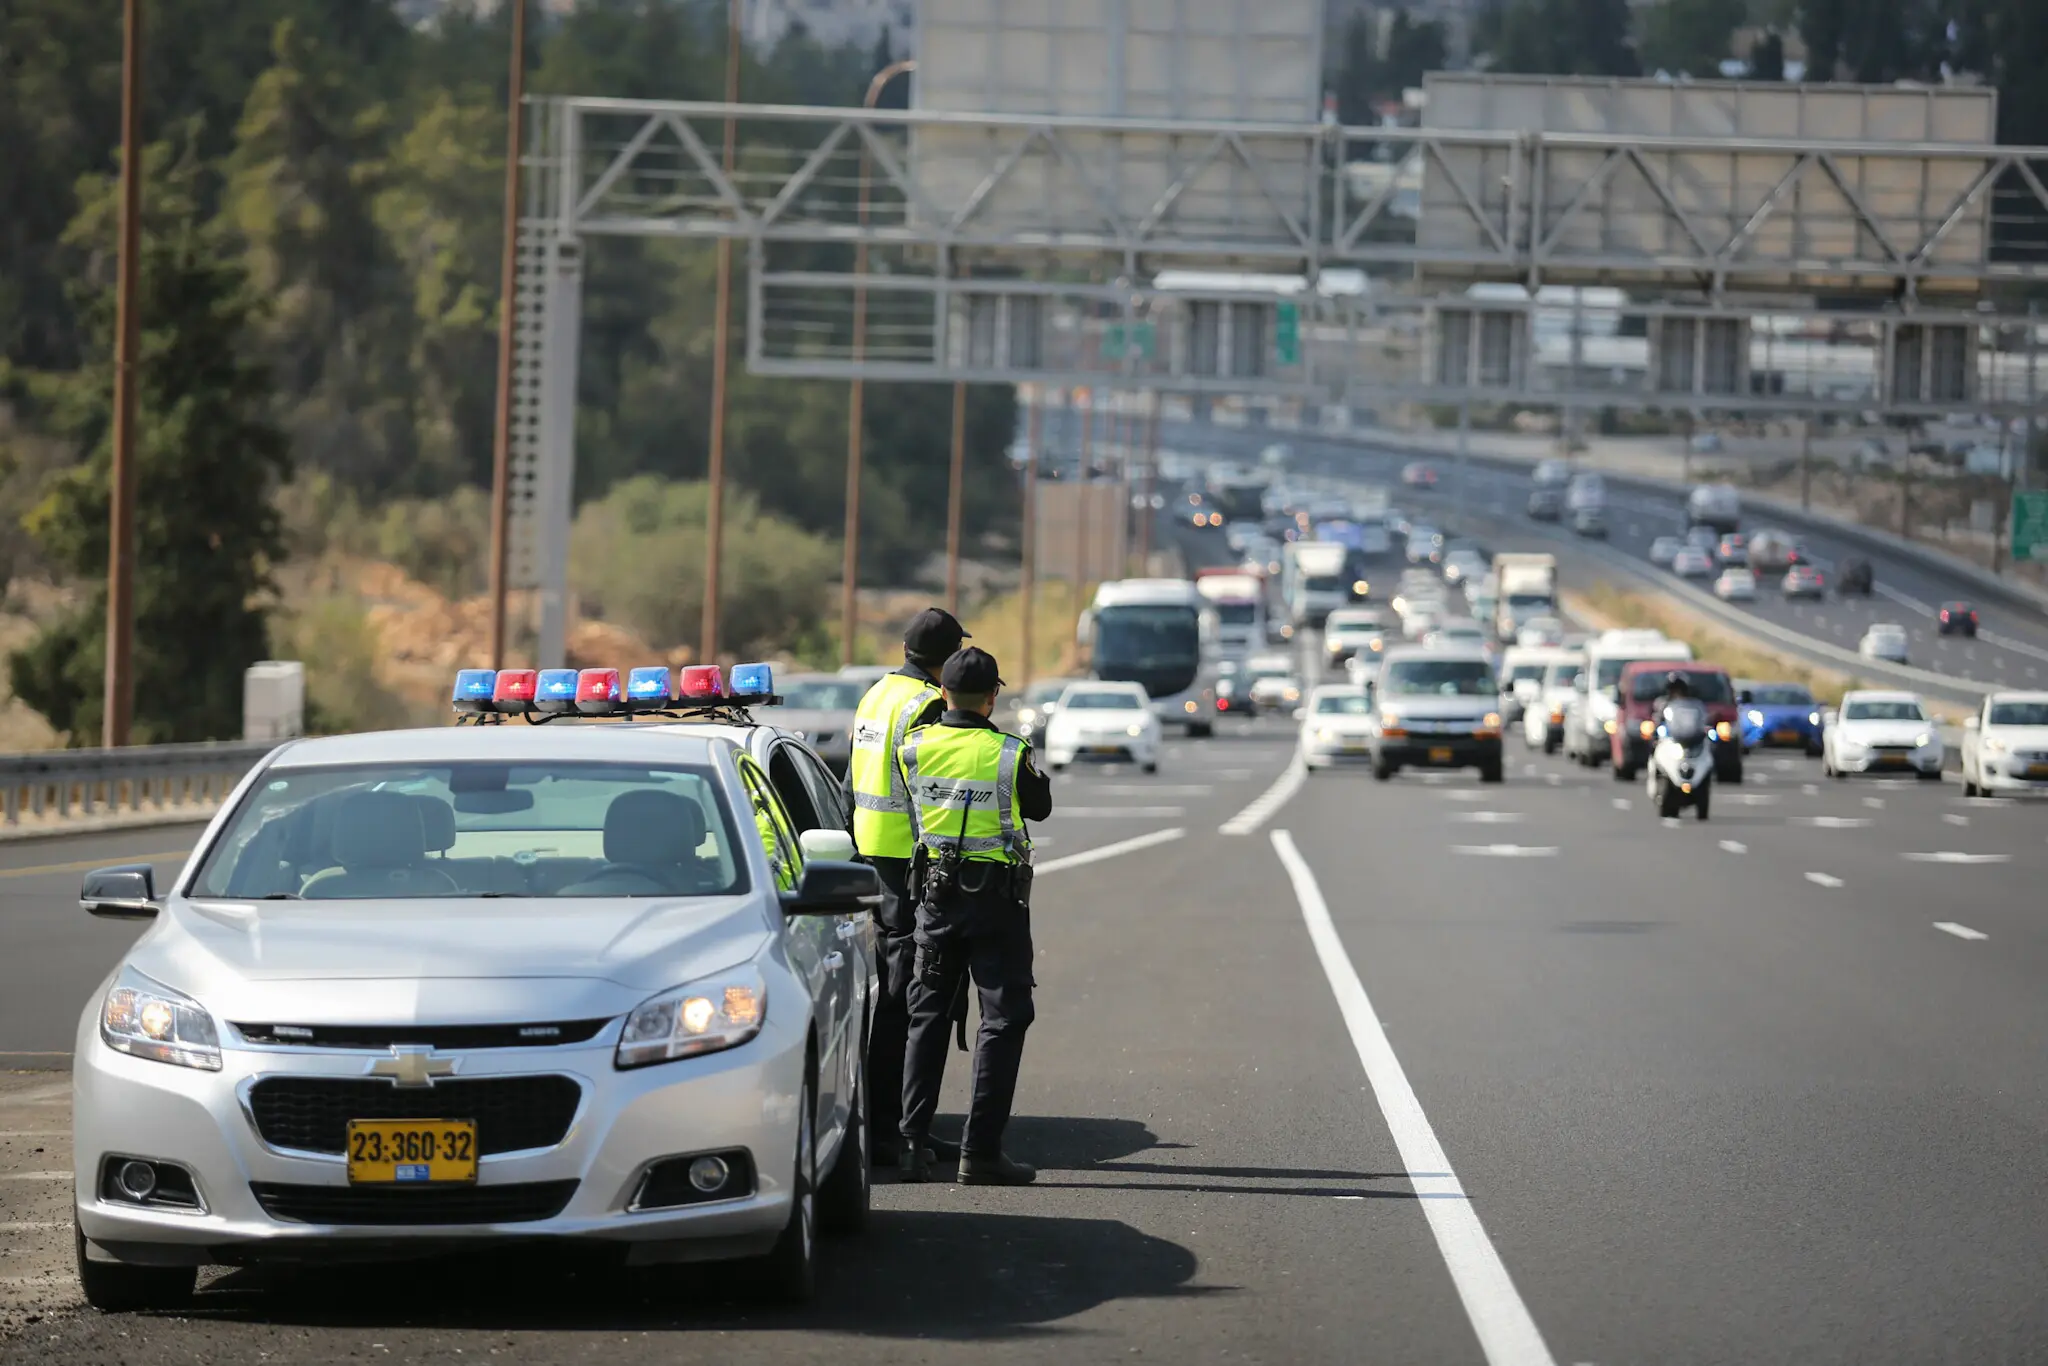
(970, 671)
(934, 633)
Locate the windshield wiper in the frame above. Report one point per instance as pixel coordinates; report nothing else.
(281, 896)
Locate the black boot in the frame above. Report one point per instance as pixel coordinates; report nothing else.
(995, 1171)
(913, 1164)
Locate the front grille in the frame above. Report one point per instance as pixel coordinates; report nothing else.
(448, 1038)
(311, 1114)
(511, 1204)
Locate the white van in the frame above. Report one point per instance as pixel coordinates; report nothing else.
(1521, 677)
(1588, 492)
(1716, 505)
(1589, 720)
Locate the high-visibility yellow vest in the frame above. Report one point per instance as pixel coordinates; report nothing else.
(963, 792)
(881, 803)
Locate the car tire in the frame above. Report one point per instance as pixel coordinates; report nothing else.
(1815, 752)
(788, 1274)
(1382, 770)
(1201, 730)
(122, 1288)
(844, 1196)
(1150, 768)
(1701, 802)
(1730, 774)
(1622, 773)
(1492, 773)
(1970, 788)
(1667, 800)
(1930, 775)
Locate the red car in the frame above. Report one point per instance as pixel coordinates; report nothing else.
(1636, 727)
(1419, 475)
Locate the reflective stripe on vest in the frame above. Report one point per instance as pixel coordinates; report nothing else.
(881, 803)
(963, 788)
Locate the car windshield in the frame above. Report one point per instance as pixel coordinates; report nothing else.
(399, 831)
(1259, 671)
(1563, 675)
(1344, 704)
(1460, 633)
(1609, 672)
(1438, 677)
(1707, 687)
(1522, 671)
(1780, 695)
(2019, 713)
(1868, 710)
(1102, 700)
(824, 694)
(1237, 613)
(1888, 637)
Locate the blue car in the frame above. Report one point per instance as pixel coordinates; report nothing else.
(1780, 715)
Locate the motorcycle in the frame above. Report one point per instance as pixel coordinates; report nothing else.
(1681, 766)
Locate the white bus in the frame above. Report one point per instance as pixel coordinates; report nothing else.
(1150, 631)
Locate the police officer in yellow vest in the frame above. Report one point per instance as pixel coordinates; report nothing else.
(972, 788)
(895, 705)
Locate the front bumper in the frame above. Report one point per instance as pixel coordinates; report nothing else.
(1924, 760)
(1328, 753)
(1124, 749)
(1770, 736)
(1438, 751)
(744, 1099)
(2010, 774)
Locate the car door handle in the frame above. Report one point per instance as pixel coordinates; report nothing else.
(849, 929)
(834, 961)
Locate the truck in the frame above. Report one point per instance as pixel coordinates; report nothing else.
(1236, 603)
(1153, 632)
(1716, 505)
(1313, 580)
(1526, 588)
(1235, 491)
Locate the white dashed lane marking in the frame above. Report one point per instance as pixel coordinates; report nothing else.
(1734, 847)
(1823, 880)
(1832, 822)
(1957, 856)
(1959, 931)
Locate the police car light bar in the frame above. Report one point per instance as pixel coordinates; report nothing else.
(648, 688)
(597, 692)
(474, 689)
(514, 690)
(753, 683)
(556, 692)
(700, 683)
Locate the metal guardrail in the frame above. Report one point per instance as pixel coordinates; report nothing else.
(72, 782)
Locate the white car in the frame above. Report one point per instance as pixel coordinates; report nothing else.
(1337, 727)
(483, 985)
(1735, 585)
(1880, 732)
(2005, 745)
(1269, 681)
(1101, 720)
(1541, 633)
(1543, 718)
(1420, 617)
(1692, 563)
(1457, 633)
(1461, 566)
(1351, 631)
(1664, 550)
(1886, 642)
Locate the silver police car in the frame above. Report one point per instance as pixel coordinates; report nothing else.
(426, 990)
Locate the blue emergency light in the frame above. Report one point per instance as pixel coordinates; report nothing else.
(555, 692)
(648, 688)
(752, 683)
(474, 689)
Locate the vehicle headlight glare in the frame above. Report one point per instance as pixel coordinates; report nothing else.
(1724, 730)
(1134, 731)
(1923, 740)
(1993, 745)
(146, 1019)
(1647, 729)
(702, 1017)
(1756, 718)
(1812, 717)
(1610, 727)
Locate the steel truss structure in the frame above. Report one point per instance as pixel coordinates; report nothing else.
(1014, 248)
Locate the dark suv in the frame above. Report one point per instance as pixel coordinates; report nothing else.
(1958, 619)
(1635, 729)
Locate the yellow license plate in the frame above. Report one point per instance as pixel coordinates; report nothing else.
(1891, 761)
(1785, 735)
(1107, 749)
(409, 1152)
(2037, 770)
(1439, 756)
(1360, 747)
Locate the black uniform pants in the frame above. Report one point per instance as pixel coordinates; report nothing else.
(984, 939)
(889, 1028)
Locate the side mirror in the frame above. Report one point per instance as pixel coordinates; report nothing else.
(1745, 697)
(124, 892)
(1615, 693)
(834, 888)
(826, 846)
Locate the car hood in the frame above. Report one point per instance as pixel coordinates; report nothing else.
(1340, 725)
(1427, 708)
(1096, 723)
(2021, 737)
(412, 961)
(1885, 732)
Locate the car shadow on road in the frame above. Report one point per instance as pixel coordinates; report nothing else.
(950, 1275)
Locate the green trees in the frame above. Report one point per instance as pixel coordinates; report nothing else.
(1370, 71)
(1690, 36)
(1559, 37)
(208, 459)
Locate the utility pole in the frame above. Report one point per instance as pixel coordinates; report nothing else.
(118, 704)
(714, 516)
(1082, 485)
(1030, 558)
(1806, 462)
(953, 497)
(849, 619)
(1146, 514)
(508, 322)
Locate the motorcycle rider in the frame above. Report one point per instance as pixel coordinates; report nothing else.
(1676, 687)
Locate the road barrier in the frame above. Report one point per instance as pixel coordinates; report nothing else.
(85, 782)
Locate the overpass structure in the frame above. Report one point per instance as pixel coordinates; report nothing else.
(1012, 239)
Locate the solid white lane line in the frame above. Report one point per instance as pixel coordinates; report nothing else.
(1096, 855)
(1101, 812)
(35, 1133)
(1268, 803)
(1823, 880)
(1957, 856)
(1505, 850)
(1734, 847)
(1959, 931)
(1912, 604)
(2017, 646)
(35, 1176)
(1507, 1334)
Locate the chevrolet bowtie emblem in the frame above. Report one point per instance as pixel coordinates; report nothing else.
(411, 1066)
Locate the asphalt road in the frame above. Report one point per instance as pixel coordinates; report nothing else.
(2011, 652)
(1509, 1073)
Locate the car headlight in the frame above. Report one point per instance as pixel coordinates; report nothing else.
(706, 1016)
(1647, 729)
(1812, 718)
(1756, 718)
(1134, 731)
(1293, 694)
(1610, 728)
(1923, 740)
(1325, 734)
(1724, 730)
(1027, 716)
(1993, 745)
(146, 1019)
